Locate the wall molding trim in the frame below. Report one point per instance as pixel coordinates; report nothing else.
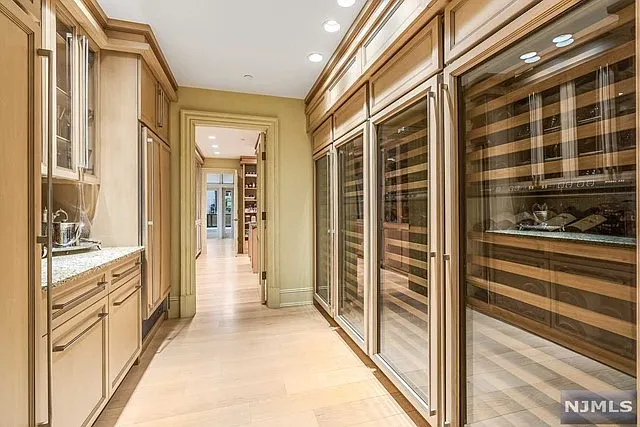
(189, 119)
(296, 297)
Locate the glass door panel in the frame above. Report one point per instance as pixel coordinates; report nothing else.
(65, 156)
(549, 269)
(403, 246)
(90, 114)
(228, 213)
(351, 234)
(323, 242)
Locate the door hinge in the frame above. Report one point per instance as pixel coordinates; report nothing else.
(264, 216)
(264, 275)
(264, 155)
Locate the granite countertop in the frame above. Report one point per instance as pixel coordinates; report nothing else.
(71, 267)
(581, 237)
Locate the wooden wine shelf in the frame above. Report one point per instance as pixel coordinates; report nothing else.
(585, 249)
(611, 324)
(621, 123)
(576, 281)
(421, 167)
(610, 56)
(607, 93)
(594, 161)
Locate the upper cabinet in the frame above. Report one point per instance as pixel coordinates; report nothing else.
(154, 103)
(76, 145)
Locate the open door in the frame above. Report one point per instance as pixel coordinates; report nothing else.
(261, 156)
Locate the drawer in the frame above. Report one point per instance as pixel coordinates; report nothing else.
(350, 114)
(323, 137)
(125, 272)
(468, 22)
(73, 298)
(80, 388)
(125, 329)
(317, 112)
(414, 63)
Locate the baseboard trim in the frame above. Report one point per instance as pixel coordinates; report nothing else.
(296, 297)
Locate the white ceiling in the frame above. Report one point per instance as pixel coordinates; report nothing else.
(232, 143)
(213, 43)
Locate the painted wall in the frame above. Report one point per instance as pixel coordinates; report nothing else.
(295, 177)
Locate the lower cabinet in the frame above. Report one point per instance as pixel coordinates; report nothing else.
(125, 339)
(80, 387)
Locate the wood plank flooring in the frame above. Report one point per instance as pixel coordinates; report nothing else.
(238, 363)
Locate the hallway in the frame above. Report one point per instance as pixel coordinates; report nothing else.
(238, 363)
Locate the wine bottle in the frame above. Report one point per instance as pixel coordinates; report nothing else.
(586, 223)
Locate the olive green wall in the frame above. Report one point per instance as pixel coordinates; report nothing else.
(295, 178)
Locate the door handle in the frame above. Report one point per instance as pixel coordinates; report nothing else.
(51, 118)
(68, 345)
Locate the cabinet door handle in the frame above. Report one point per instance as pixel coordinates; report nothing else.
(159, 106)
(63, 347)
(131, 270)
(80, 298)
(122, 301)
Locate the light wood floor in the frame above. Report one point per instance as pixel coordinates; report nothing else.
(238, 363)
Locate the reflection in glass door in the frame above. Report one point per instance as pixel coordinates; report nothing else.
(323, 240)
(549, 270)
(351, 215)
(228, 214)
(403, 246)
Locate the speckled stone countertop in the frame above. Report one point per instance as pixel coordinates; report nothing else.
(581, 237)
(71, 267)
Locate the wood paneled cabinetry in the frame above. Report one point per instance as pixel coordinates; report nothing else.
(154, 103)
(19, 203)
(96, 338)
(157, 238)
(77, 59)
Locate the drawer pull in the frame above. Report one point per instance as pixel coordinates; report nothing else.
(80, 298)
(119, 303)
(63, 347)
(131, 270)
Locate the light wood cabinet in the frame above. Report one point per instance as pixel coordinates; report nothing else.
(350, 114)
(157, 239)
(76, 145)
(19, 221)
(419, 59)
(468, 22)
(323, 136)
(80, 350)
(154, 104)
(125, 329)
(165, 220)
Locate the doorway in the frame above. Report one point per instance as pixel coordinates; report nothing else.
(220, 208)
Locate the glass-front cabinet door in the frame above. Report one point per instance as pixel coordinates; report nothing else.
(351, 209)
(323, 231)
(65, 154)
(407, 212)
(548, 228)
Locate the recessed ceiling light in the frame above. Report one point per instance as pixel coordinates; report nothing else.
(346, 3)
(216, 152)
(248, 76)
(215, 146)
(528, 55)
(316, 57)
(331, 26)
(532, 60)
(562, 38)
(565, 43)
(212, 137)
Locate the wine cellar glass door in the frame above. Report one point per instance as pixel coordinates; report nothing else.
(323, 230)
(407, 247)
(352, 203)
(548, 218)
